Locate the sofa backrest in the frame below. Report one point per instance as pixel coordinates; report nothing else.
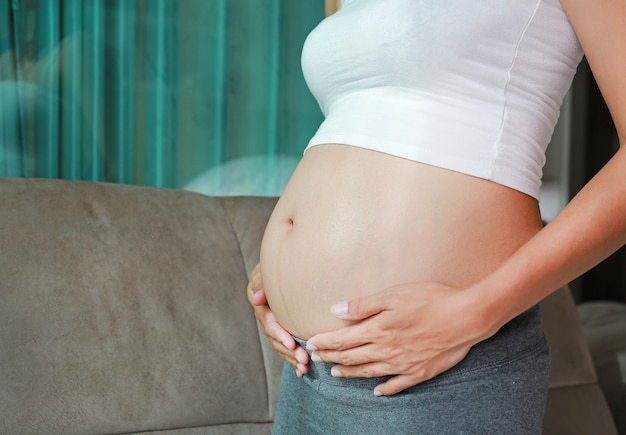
(123, 309)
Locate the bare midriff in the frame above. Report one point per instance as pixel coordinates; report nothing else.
(353, 222)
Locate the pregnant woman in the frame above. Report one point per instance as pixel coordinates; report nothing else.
(407, 253)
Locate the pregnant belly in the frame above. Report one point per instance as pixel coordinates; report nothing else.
(353, 222)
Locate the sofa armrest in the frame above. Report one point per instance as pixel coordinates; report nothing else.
(576, 405)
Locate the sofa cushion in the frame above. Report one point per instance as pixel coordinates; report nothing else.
(571, 360)
(605, 330)
(576, 405)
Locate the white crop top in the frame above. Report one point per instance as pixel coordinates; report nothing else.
(471, 86)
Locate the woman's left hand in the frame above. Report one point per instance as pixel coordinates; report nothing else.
(413, 331)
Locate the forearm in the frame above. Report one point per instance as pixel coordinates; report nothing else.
(593, 225)
(588, 230)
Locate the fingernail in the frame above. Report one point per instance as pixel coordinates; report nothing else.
(300, 368)
(377, 393)
(339, 309)
(310, 346)
(315, 357)
(335, 372)
(299, 373)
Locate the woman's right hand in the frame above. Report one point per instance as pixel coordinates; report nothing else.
(280, 339)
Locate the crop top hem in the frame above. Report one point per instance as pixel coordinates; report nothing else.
(467, 165)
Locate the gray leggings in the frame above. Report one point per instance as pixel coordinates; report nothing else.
(499, 388)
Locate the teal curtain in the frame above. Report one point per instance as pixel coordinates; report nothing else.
(164, 93)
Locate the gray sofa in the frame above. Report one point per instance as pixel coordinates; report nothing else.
(123, 310)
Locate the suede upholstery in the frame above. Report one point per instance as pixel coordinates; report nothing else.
(123, 310)
(605, 329)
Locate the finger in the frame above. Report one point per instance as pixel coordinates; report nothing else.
(301, 355)
(273, 329)
(252, 295)
(345, 338)
(397, 384)
(285, 353)
(360, 308)
(288, 349)
(256, 270)
(356, 357)
(255, 281)
(298, 354)
(370, 370)
(259, 298)
(302, 369)
(423, 372)
(298, 358)
(282, 342)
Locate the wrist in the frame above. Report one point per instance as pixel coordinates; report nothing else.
(490, 308)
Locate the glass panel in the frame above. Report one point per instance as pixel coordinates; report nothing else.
(199, 94)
